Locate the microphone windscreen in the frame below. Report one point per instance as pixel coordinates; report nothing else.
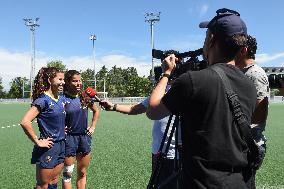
(91, 92)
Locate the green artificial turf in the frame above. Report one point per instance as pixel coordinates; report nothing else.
(121, 151)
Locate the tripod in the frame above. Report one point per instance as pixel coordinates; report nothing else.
(161, 157)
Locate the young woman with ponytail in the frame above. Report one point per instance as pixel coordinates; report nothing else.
(79, 135)
(48, 107)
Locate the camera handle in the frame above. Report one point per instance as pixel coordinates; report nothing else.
(161, 156)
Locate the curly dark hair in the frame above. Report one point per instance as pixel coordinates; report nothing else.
(251, 46)
(84, 98)
(41, 83)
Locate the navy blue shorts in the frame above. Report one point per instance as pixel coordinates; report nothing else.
(78, 144)
(49, 158)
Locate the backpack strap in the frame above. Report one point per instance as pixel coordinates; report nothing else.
(237, 112)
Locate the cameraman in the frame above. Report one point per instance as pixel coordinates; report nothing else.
(158, 131)
(214, 153)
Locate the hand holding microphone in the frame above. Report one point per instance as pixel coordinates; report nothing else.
(108, 106)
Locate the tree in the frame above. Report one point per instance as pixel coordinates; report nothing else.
(138, 86)
(88, 78)
(2, 92)
(126, 82)
(16, 90)
(116, 80)
(102, 74)
(119, 82)
(274, 92)
(101, 77)
(57, 64)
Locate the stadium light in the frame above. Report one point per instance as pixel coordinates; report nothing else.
(93, 38)
(32, 24)
(152, 18)
(23, 89)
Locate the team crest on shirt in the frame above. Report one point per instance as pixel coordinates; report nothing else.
(48, 159)
(63, 106)
(64, 103)
(51, 105)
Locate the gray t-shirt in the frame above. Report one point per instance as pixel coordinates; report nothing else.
(259, 79)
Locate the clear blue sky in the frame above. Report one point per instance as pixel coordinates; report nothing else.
(123, 37)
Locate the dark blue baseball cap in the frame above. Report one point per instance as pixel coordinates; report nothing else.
(226, 23)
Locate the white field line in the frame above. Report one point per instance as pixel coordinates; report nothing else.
(13, 125)
(270, 187)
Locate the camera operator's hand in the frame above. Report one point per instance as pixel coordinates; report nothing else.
(169, 64)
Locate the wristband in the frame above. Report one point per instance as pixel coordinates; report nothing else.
(114, 107)
(165, 75)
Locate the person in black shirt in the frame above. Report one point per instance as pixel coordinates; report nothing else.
(214, 152)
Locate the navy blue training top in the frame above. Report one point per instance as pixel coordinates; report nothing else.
(76, 115)
(51, 119)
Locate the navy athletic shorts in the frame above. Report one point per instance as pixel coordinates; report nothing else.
(78, 144)
(49, 158)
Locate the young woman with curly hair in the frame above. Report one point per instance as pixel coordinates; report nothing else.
(48, 107)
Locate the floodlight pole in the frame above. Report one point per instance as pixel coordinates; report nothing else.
(32, 24)
(93, 38)
(23, 91)
(152, 18)
(104, 88)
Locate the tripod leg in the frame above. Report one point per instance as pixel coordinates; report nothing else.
(171, 179)
(168, 178)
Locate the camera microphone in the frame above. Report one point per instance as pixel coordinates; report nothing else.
(92, 93)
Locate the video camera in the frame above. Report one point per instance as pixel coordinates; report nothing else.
(274, 75)
(182, 66)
